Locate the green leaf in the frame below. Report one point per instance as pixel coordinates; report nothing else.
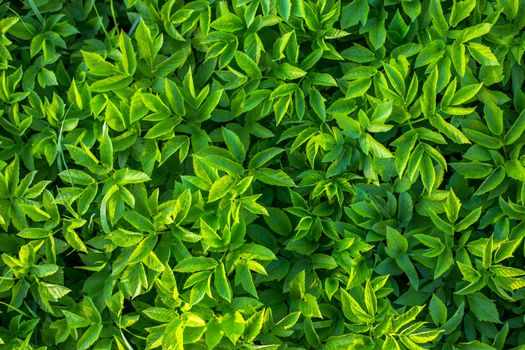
(397, 245)
(194, 264)
(430, 53)
(174, 96)
(104, 207)
(377, 33)
(438, 18)
(350, 127)
(482, 54)
(221, 282)
(460, 11)
(494, 117)
(284, 7)
(74, 241)
(516, 130)
(377, 149)
(263, 157)
(139, 221)
(286, 71)
(75, 321)
(428, 101)
(82, 156)
(322, 79)
(515, 170)
(34, 233)
(47, 78)
(129, 60)
(170, 64)
(247, 64)
(228, 22)
(438, 310)
(474, 32)
(408, 268)
(129, 176)
(396, 79)
(469, 220)
(222, 163)
(52, 291)
(273, 177)
(256, 251)
(283, 90)
(89, 337)
(465, 94)
(309, 306)
(370, 299)
(250, 203)
(145, 42)
(209, 105)
(424, 336)
(441, 224)
(487, 253)
(452, 206)
(220, 188)
(234, 144)
(317, 101)
(351, 308)
(506, 250)
(113, 83)
(106, 151)
(455, 320)
(278, 221)
(459, 58)
(353, 13)
(213, 334)
(492, 181)
(97, 65)
(143, 249)
(483, 139)
(428, 173)
(160, 129)
(74, 176)
(357, 88)
(358, 53)
(483, 308)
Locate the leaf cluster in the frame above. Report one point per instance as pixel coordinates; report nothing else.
(262, 174)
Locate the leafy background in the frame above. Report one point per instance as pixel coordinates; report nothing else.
(262, 174)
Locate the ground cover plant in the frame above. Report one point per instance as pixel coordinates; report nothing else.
(262, 174)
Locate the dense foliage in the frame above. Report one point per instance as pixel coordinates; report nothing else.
(262, 174)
